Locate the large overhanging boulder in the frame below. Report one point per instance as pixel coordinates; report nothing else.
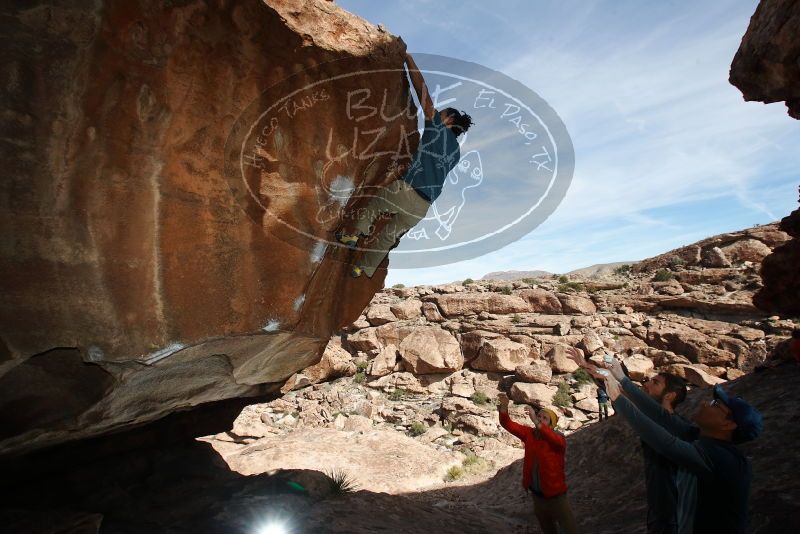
(145, 267)
(765, 68)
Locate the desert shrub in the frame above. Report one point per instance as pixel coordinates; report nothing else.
(359, 378)
(674, 261)
(399, 286)
(623, 269)
(663, 275)
(570, 286)
(562, 398)
(454, 473)
(339, 482)
(563, 279)
(467, 282)
(582, 376)
(505, 290)
(479, 398)
(531, 281)
(470, 460)
(397, 394)
(516, 318)
(418, 428)
(362, 366)
(473, 463)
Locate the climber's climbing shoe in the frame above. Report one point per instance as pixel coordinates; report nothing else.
(356, 271)
(345, 239)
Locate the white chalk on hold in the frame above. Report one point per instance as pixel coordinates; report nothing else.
(298, 302)
(159, 355)
(271, 326)
(603, 372)
(608, 358)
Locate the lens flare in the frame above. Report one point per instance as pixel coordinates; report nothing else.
(273, 528)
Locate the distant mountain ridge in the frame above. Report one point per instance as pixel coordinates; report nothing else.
(599, 269)
(515, 275)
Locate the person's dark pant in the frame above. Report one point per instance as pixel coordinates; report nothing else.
(553, 512)
(603, 410)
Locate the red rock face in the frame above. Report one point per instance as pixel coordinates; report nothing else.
(765, 67)
(780, 272)
(124, 234)
(751, 244)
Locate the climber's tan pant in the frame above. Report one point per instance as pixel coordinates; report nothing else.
(407, 207)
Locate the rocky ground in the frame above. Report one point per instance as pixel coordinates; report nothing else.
(417, 375)
(401, 409)
(153, 480)
(403, 401)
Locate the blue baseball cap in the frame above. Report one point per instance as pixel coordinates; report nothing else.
(749, 422)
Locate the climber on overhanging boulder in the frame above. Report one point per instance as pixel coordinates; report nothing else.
(408, 198)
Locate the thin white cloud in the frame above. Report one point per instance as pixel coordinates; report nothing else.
(667, 151)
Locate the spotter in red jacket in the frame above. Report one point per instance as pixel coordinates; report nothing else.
(543, 468)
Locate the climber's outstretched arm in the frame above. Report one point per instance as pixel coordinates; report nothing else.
(419, 86)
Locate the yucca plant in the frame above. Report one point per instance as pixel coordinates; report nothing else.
(339, 482)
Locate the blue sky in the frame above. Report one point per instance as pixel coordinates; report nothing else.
(666, 150)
